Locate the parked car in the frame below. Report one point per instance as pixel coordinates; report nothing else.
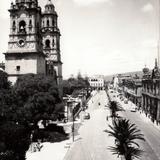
(133, 109)
(87, 115)
(126, 101)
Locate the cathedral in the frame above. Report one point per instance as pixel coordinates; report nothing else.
(34, 40)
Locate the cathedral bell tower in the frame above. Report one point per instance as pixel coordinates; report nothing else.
(25, 53)
(51, 41)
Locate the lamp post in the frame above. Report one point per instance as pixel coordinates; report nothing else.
(71, 105)
(73, 122)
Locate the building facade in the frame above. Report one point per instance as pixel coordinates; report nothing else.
(51, 40)
(2, 66)
(96, 83)
(133, 90)
(34, 40)
(151, 93)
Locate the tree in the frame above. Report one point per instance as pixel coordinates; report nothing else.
(114, 107)
(29, 84)
(125, 135)
(14, 141)
(73, 84)
(67, 88)
(32, 98)
(42, 106)
(4, 83)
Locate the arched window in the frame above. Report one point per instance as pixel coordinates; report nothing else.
(47, 22)
(53, 43)
(53, 22)
(30, 22)
(22, 26)
(47, 43)
(14, 26)
(14, 23)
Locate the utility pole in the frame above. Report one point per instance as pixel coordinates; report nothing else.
(70, 115)
(73, 121)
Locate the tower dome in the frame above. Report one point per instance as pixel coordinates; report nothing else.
(27, 3)
(49, 7)
(23, 1)
(145, 70)
(20, 1)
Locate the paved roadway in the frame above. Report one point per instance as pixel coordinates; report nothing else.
(92, 142)
(151, 146)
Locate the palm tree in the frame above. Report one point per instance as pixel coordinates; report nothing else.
(125, 135)
(114, 107)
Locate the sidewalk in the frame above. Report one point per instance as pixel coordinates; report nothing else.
(93, 144)
(49, 151)
(58, 151)
(148, 120)
(144, 118)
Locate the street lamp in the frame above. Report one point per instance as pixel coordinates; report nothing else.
(71, 103)
(73, 122)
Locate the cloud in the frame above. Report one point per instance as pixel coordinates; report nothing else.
(90, 2)
(149, 43)
(147, 7)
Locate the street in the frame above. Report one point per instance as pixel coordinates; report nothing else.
(151, 134)
(151, 146)
(92, 142)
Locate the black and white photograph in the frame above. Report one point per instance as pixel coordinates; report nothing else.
(80, 80)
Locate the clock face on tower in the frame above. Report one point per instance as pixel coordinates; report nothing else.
(21, 43)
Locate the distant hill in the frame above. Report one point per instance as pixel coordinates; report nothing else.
(138, 73)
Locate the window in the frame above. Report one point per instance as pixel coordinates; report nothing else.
(53, 43)
(30, 25)
(22, 26)
(14, 23)
(14, 26)
(30, 22)
(53, 22)
(47, 43)
(18, 68)
(47, 22)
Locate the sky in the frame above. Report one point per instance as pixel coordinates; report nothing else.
(100, 36)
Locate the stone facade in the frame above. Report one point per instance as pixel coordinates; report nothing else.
(151, 93)
(51, 40)
(151, 98)
(2, 65)
(96, 82)
(131, 88)
(34, 40)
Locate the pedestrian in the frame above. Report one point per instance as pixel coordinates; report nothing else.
(107, 118)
